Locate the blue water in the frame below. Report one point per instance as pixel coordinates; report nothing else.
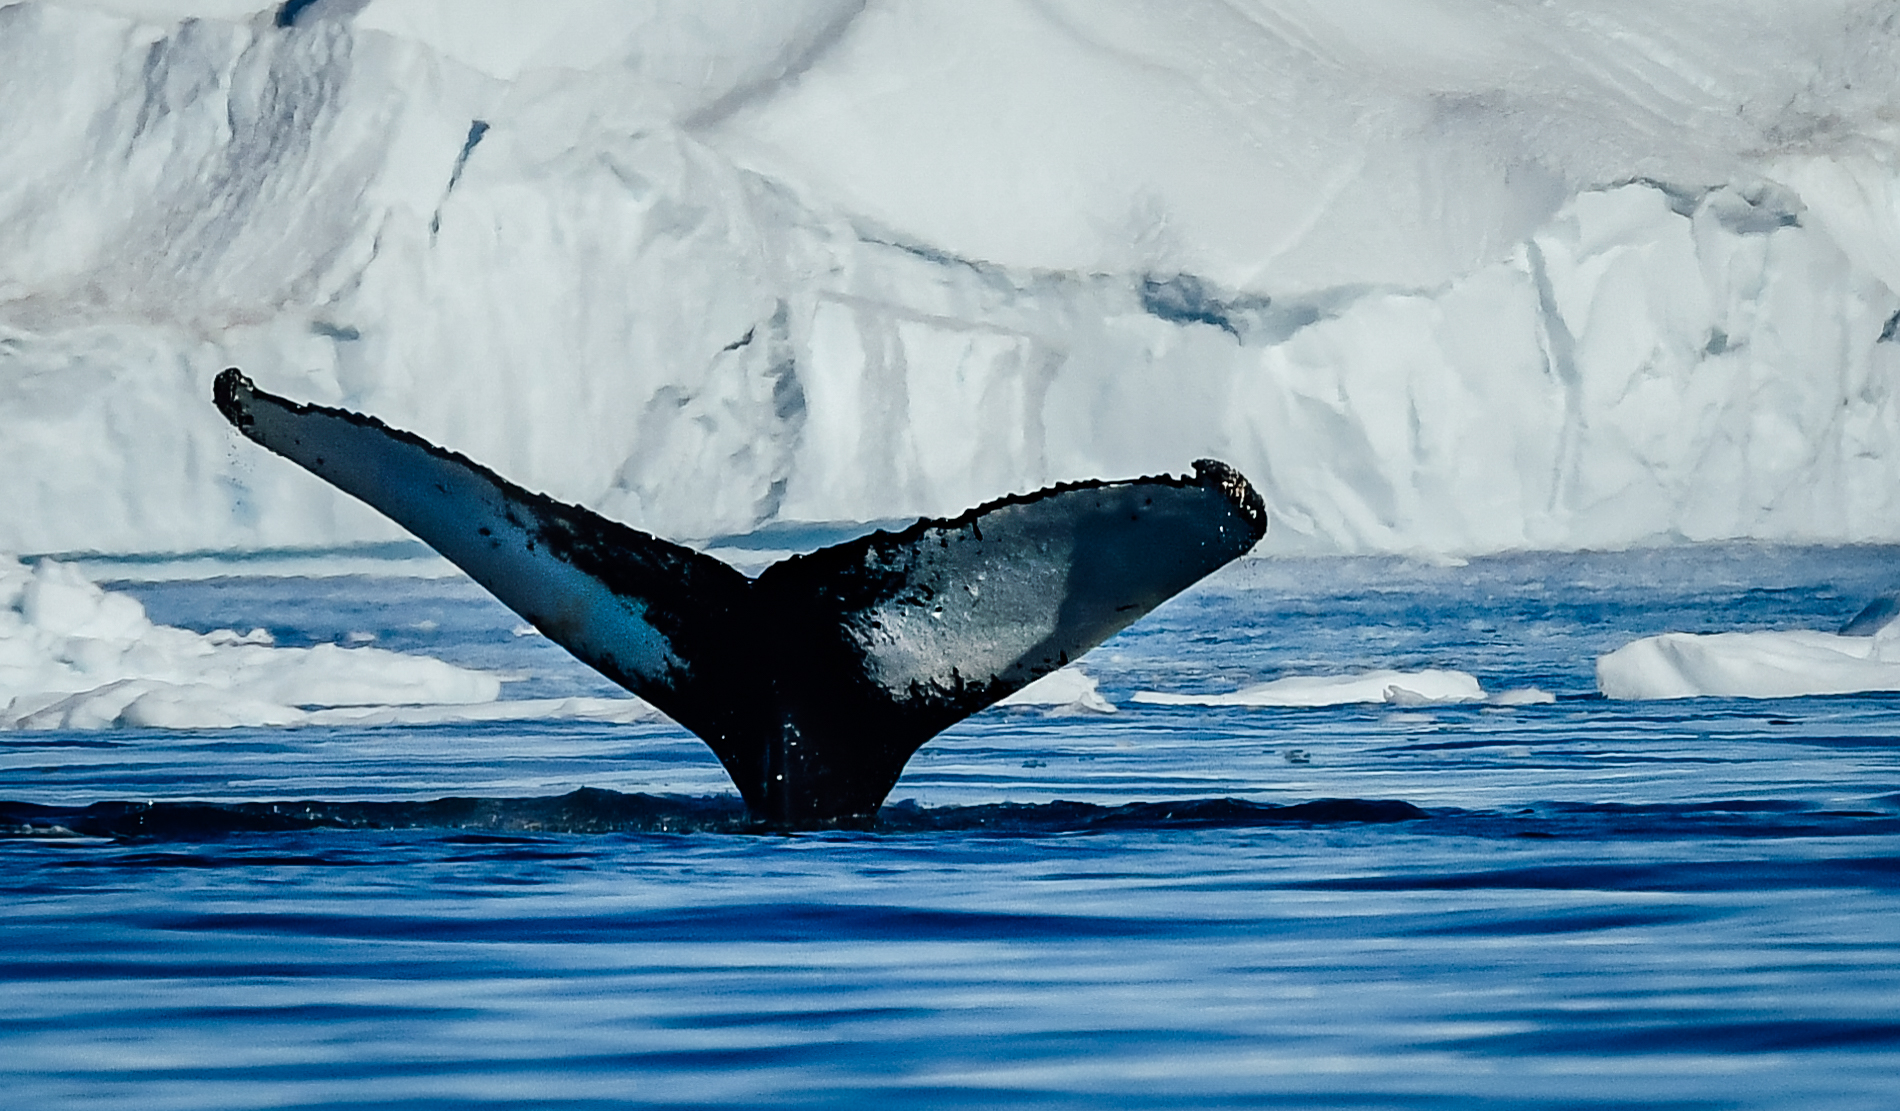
(1586, 904)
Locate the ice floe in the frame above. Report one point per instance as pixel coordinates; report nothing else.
(1070, 689)
(1428, 687)
(1863, 656)
(74, 656)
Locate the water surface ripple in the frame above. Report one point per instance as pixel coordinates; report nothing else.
(1580, 904)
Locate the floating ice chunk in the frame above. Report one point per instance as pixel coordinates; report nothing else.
(1071, 688)
(1399, 688)
(226, 636)
(1751, 665)
(73, 656)
(1522, 696)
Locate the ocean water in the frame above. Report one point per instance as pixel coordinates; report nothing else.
(1575, 905)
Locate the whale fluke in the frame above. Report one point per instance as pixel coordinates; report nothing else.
(1877, 615)
(815, 682)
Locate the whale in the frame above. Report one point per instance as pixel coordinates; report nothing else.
(1875, 616)
(815, 682)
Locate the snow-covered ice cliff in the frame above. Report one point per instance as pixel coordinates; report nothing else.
(1447, 275)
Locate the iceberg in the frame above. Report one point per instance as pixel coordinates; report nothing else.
(1454, 279)
(74, 656)
(1863, 657)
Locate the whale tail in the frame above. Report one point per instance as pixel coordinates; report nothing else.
(1877, 615)
(815, 682)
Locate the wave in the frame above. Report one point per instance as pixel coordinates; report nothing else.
(596, 811)
(592, 810)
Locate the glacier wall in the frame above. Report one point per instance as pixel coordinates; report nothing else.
(1445, 276)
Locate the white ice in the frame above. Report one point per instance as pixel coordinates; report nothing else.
(1773, 664)
(1069, 689)
(1398, 688)
(1439, 276)
(73, 656)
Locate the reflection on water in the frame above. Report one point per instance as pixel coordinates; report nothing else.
(1585, 904)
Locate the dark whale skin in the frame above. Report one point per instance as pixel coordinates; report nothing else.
(815, 682)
